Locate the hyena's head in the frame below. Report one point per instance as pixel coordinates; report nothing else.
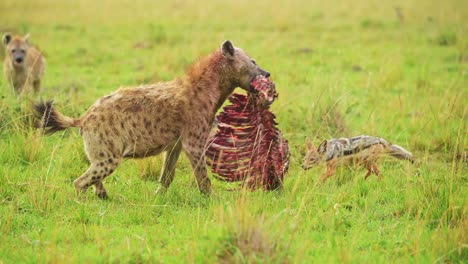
(16, 48)
(312, 156)
(242, 68)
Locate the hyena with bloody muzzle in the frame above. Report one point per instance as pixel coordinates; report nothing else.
(24, 65)
(164, 117)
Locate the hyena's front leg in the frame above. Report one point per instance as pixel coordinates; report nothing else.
(18, 87)
(36, 86)
(196, 154)
(168, 170)
(201, 175)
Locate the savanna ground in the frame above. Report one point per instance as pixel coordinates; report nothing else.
(392, 69)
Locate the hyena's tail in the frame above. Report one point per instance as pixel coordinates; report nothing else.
(400, 153)
(52, 120)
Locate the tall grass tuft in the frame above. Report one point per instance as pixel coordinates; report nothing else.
(149, 168)
(249, 238)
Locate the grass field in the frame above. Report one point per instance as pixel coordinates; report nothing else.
(397, 70)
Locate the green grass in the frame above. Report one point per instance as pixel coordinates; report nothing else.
(342, 69)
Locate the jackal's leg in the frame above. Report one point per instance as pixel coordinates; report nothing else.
(168, 170)
(369, 170)
(98, 170)
(376, 171)
(372, 168)
(331, 170)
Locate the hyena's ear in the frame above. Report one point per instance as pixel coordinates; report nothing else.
(308, 143)
(6, 39)
(228, 50)
(26, 38)
(323, 146)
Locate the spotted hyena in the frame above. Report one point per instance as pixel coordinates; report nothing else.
(164, 117)
(24, 65)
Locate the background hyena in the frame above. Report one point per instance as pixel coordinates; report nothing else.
(24, 65)
(164, 117)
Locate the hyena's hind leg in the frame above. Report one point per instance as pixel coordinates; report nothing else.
(98, 170)
(168, 170)
(100, 191)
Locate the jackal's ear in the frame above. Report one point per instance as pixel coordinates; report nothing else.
(6, 39)
(26, 38)
(323, 146)
(228, 50)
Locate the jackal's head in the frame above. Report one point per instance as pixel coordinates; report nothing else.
(16, 48)
(242, 68)
(312, 156)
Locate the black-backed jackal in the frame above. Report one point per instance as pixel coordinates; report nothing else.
(360, 150)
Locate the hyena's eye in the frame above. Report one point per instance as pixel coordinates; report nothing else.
(22, 50)
(13, 51)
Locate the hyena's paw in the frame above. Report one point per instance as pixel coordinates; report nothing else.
(100, 191)
(102, 195)
(80, 188)
(205, 188)
(161, 190)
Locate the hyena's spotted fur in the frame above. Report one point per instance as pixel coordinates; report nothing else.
(164, 117)
(363, 150)
(24, 65)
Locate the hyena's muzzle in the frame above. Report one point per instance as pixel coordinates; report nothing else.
(18, 57)
(259, 71)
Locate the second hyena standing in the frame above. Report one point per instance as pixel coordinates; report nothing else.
(24, 65)
(165, 117)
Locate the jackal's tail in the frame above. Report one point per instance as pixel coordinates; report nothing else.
(400, 153)
(51, 120)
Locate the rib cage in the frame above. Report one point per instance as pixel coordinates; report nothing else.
(247, 145)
